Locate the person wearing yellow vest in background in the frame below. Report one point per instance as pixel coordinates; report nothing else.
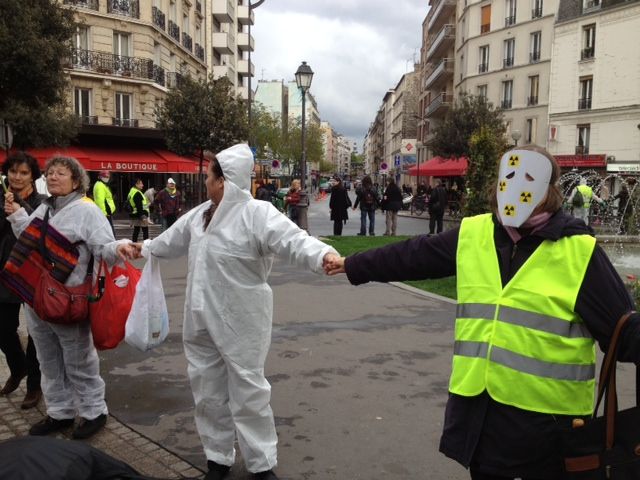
(103, 197)
(535, 293)
(139, 206)
(582, 203)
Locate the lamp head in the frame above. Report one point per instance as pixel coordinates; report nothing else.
(304, 75)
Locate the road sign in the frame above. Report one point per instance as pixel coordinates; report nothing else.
(6, 135)
(396, 161)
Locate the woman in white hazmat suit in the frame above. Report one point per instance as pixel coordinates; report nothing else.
(231, 241)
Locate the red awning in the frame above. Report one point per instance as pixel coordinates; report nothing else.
(440, 167)
(589, 161)
(44, 154)
(179, 164)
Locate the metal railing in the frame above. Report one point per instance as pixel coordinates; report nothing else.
(507, 62)
(199, 50)
(508, 21)
(129, 8)
(447, 31)
(532, 100)
(582, 150)
(124, 122)
(92, 4)
(536, 12)
(485, 28)
(445, 65)
(174, 31)
(584, 103)
(112, 64)
(158, 74)
(483, 67)
(505, 104)
(87, 119)
(437, 102)
(159, 19)
(587, 53)
(534, 57)
(187, 42)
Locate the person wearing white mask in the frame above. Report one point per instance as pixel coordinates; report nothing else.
(535, 293)
(231, 241)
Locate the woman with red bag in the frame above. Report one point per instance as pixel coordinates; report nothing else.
(21, 170)
(71, 381)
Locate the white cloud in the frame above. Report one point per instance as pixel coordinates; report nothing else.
(358, 49)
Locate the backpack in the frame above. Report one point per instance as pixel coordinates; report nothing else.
(578, 199)
(368, 198)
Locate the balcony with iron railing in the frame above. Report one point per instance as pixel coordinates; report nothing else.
(129, 8)
(584, 103)
(506, 103)
(199, 51)
(87, 119)
(582, 150)
(112, 64)
(441, 13)
(534, 57)
(532, 101)
(445, 37)
(485, 28)
(442, 71)
(124, 122)
(536, 12)
(507, 62)
(174, 30)
(587, 53)
(158, 17)
(483, 68)
(91, 4)
(510, 20)
(187, 41)
(439, 104)
(158, 74)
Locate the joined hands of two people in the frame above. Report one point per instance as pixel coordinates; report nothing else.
(333, 264)
(129, 251)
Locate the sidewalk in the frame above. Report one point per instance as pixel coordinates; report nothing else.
(116, 439)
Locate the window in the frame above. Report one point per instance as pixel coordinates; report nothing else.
(510, 8)
(530, 131)
(509, 52)
(590, 5)
(507, 94)
(584, 132)
(185, 24)
(123, 109)
(81, 38)
(586, 89)
(483, 65)
(173, 12)
(485, 19)
(588, 42)
(536, 40)
(536, 12)
(121, 43)
(82, 103)
(534, 86)
(482, 91)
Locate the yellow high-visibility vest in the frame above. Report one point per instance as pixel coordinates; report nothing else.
(524, 343)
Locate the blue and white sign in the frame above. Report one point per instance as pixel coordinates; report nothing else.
(396, 161)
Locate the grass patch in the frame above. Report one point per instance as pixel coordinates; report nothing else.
(350, 245)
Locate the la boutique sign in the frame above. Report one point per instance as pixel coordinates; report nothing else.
(129, 166)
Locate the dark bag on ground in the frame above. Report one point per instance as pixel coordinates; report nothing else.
(606, 447)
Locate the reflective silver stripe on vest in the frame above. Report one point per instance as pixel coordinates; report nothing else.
(523, 318)
(471, 349)
(539, 368)
(484, 311)
(545, 323)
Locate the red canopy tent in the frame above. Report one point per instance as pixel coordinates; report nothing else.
(440, 167)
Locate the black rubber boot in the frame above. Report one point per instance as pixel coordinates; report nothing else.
(216, 471)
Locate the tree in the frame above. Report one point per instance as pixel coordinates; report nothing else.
(469, 114)
(267, 129)
(34, 47)
(202, 115)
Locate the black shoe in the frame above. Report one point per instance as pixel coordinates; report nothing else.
(49, 425)
(87, 428)
(12, 384)
(216, 471)
(372, 234)
(362, 234)
(268, 475)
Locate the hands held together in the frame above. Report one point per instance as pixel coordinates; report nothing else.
(129, 251)
(333, 264)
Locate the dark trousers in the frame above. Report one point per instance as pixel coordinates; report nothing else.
(18, 362)
(484, 476)
(363, 221)
(433, 219)
(110, 220)
(337, 227)
(136, 232)
(168, 220)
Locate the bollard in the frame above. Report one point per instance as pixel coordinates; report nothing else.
(303, 207)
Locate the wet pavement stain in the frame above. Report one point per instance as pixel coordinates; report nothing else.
(286, 421)
(277, 378)
(378, 359)
(319, 385)
(325, 373)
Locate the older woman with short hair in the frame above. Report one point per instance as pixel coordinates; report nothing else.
(71, 381)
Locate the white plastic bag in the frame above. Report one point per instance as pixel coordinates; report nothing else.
(148, 322)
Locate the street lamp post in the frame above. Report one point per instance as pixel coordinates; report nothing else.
(251, 6)
(515, 135)
(304, 75)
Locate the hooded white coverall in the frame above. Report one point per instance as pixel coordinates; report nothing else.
(228, 310)
(71, 381)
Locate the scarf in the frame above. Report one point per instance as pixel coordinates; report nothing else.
(171, 191)
(532, 225)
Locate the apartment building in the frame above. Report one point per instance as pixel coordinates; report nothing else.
(229, 36)
(312, 115)
(503, 52)
(273, 95)
(405, 117)
(329, 144)
(594, 110)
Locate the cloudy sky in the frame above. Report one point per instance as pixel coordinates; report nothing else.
(358, 49)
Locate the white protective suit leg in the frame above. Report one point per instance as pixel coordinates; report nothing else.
(70, 367)
(229, 397)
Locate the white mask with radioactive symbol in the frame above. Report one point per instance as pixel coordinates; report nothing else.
(523, 181)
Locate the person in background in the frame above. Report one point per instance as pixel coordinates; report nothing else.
(587, 194)
(231, 241)
(391, 203)
(367, 198)
(291, 201)
(339, 204)
(535, 292)
(625, 209)
(150, 193)
(139, 210)
(71, 381)
(21, 170)
(262, 192)
(169, 203)
(103, 197)
(436, 206)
